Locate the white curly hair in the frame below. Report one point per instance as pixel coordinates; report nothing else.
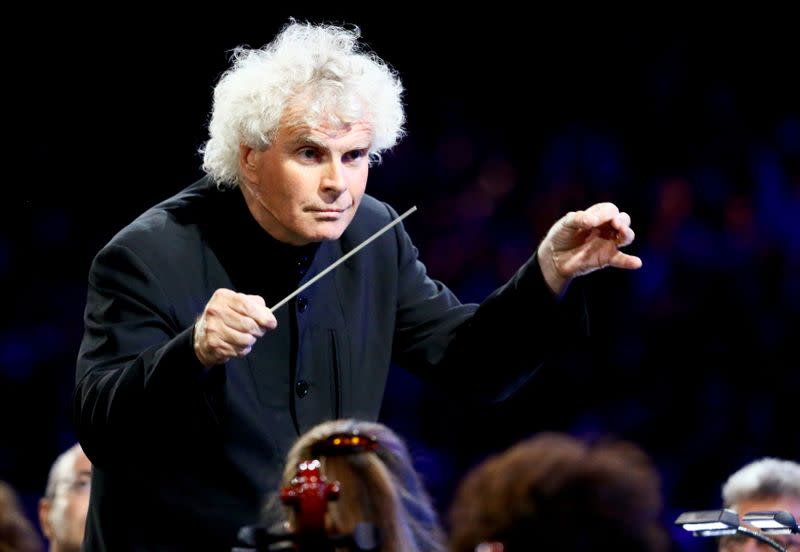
(325, 69)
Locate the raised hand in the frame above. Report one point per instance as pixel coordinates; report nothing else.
(230, 325)
(584, 241)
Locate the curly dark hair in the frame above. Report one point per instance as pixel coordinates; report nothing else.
(555, 492)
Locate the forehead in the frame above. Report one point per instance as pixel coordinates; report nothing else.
(299, 121)
(786, 503)
(82, 463)
(324, 131)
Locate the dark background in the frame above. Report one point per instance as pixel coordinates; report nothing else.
(694, 129)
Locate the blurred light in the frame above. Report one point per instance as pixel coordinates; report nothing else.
(709, 522)
(775, 523)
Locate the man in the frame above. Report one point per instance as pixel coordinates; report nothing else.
(62, 511)
(190, 389)
(769, 484)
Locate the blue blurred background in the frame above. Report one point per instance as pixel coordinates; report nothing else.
(692, 129)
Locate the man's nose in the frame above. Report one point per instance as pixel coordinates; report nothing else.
(333, 178)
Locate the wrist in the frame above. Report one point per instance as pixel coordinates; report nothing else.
(548, 259)
(198, 333)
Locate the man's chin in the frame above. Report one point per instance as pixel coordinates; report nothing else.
(331, 230)
(324, 234)
(331, 236)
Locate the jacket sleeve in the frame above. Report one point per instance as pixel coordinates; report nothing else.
(488, 350)
(137, 375)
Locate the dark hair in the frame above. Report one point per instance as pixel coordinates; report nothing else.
(554, 492)
(16, 532)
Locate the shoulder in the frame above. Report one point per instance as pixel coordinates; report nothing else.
(372, 215)
(167, 228)
(173, 218)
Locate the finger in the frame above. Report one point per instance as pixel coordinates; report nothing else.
(254, 307)
(242, 322)
(260, 312)
(604, 212)
(228, 351)
(623, 260)
(226, 343)
(221, 312)
(580, 220)
(235, 339)
(621, 221)
(625, 237)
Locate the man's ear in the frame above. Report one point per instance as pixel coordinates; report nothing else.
(44, 521)
(247, 162)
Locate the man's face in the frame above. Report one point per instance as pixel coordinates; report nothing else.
(64, 518)
(78, 501)
(306, 186)
(749, 544)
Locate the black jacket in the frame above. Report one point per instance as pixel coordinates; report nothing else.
(183, 458)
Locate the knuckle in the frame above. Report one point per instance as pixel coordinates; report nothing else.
(217, 343)
(219, 294)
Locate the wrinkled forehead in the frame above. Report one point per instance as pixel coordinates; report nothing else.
(334, 110)
(298, 134)
(298, 128)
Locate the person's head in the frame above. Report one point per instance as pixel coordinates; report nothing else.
(16, 532)
(378, 486)
(62, 511)
(554, 492)
(768, 484)
(296, 125)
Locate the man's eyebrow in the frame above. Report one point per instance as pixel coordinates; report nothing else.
(306, 140)
(84, 472)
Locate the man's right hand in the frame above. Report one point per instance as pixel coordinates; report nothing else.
(230, 325)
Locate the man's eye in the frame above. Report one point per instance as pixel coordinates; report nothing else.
(354, 155)
(308, 153)
(82, 484)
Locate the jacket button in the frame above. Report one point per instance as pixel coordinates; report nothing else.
(302, 265)
(301, 388)
(302, 303)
